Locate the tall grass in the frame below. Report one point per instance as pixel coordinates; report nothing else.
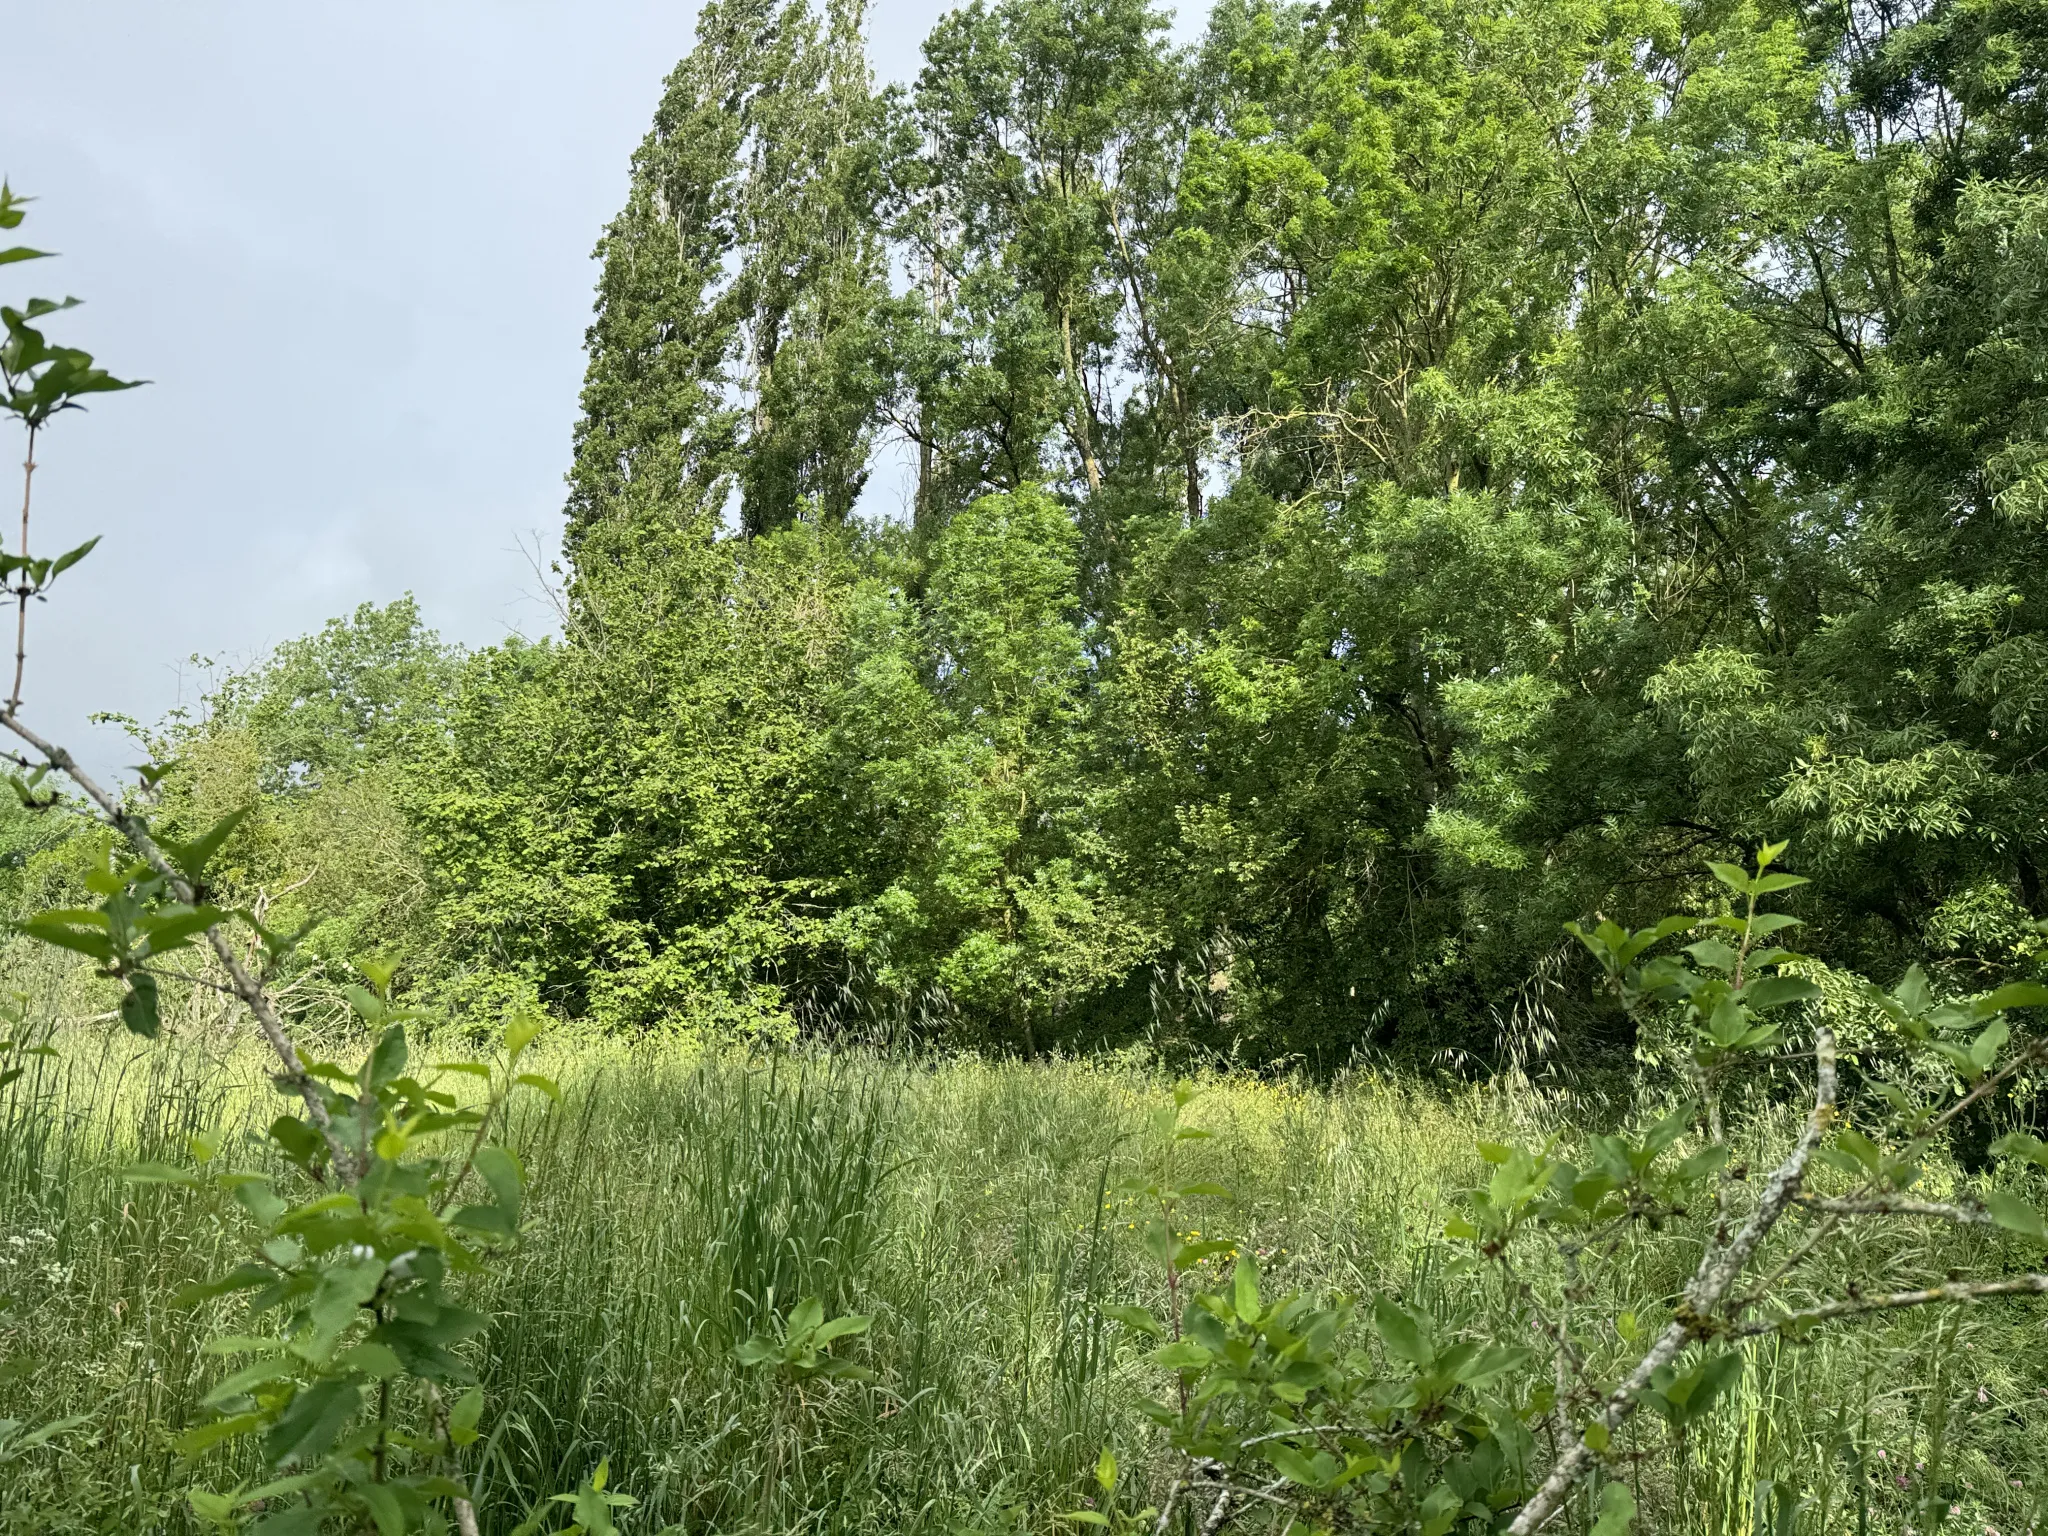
(680, 1199)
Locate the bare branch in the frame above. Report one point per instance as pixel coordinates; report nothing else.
(1791, 1323)
(1898, 1205)
(23, 592)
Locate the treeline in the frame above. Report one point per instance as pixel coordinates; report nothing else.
(1387, 480)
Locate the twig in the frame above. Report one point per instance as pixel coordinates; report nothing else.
(1954, 1290)
(246, 987)
(465, 1512)
(1897, 1205)
(1173, 1493)
(23, 592)
(1218, 1514)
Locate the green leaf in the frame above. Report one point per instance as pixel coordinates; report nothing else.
(1772, 922)
(1703, 1163)
(206, 1436)
(521, 1030)
(82, 931)
(158, 1173)
(1734, 876)
(175, 926)
(2015, 994)
(1777, 991)
(245, 1277)
(507, 1180)
(192, 858)
(1291, 1464)
(139, 1007)
(312, 1420)
(1617, 1511)
(2020, 1144)
(298, 1140)
(464, 1417)
(1403, 1332)
(1105, 1470)
(1245, 1291)
(487, 1220)
(374, 1360)
(1985, 1048)
(1714, 954)
(1866, 1152)
(71, 557)
(1182, 1355)
(292, 1520)
(1714, 1376)
(1664, 1135)
(1136, 1319)
(241, 1382)
(1913, 993)
(840, 1327)
(2015, 1215)
(384, 1508)
(1644, 938)
(1765, 885)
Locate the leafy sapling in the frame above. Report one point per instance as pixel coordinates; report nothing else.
(1494, 1415)
(366, 1204)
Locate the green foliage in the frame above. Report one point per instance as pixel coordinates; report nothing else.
(39, 379)
(1388, 479)
(1341, 1414)
(1384, 481)
(1357, 523)
(800, 1346)
(343, 1398)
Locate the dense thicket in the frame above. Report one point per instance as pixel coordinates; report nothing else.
(1373, 486)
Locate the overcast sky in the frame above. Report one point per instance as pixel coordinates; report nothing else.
(350, 246)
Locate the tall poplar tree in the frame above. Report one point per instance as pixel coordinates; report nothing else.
(740, 345)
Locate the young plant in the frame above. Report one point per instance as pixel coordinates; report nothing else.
(1175, 1247)
(795, 1354)
(348, 1394)
(1340, 1416)
(366, 1204)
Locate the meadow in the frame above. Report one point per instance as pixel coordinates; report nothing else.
(682, 1195)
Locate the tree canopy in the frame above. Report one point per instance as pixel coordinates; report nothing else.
(1376, 484)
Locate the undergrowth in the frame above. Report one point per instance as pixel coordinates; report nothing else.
(681, 1197)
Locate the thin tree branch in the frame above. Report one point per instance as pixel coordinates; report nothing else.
(1953, 1291)
(23, 592)
(1719, 1268)
(1898, 1205)
(245, 986)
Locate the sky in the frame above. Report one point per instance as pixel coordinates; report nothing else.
(349, 245)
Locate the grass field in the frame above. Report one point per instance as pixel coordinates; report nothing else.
(680, 1197)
